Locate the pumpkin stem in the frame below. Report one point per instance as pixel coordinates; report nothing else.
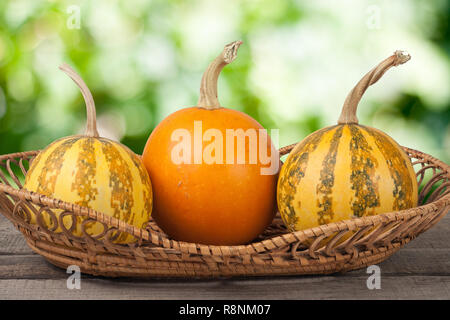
(348, 114)
(91, 123)
(208, 88)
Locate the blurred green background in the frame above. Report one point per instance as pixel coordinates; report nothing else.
(143, 59)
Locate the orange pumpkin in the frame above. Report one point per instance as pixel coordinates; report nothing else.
(210, 197)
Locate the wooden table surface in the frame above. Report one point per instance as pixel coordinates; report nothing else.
(421, 270)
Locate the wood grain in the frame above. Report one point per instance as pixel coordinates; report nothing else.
(321, 287)
(421, 270)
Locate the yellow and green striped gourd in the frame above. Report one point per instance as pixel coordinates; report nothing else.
(347, 170)
(93, 172)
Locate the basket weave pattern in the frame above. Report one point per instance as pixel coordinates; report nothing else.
(349, 245)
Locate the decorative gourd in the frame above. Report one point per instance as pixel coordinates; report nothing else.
(347, 170)
(93, 172)
(209, 202)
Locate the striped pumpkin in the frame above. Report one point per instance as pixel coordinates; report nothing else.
(93, 172)
(347, 170)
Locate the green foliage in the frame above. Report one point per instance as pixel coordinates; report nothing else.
(144, 59)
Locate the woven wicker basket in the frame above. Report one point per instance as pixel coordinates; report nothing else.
(368, 240)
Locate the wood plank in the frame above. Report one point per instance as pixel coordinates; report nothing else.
(436, 237)
(11, 240)
(419, 262)
(414, 287)
(14, 244)
(6, 226)
(28, 267)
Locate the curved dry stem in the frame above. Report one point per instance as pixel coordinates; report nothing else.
(208, 88)
(91, 123)
(348, 114)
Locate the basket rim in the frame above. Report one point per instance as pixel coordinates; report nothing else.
(162, 240)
